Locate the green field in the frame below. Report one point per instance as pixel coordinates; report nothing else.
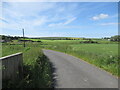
(103, 49)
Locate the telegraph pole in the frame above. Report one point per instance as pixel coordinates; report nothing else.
(23, 38)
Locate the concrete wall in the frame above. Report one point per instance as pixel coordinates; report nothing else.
(12, 66)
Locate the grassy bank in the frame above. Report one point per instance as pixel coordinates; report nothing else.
(36, 67)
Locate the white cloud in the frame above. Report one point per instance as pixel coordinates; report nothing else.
(100, 16)
(70, 20)
(28, 15)
(34, 17)
(26, 9)
(55, 24)
(2, 19)
(18, 16)
(39, 22)
(64, 23)
(105, 24)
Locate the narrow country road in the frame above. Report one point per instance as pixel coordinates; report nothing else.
(71, 72)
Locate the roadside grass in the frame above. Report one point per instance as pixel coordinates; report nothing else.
(102, 55)
(36, 67)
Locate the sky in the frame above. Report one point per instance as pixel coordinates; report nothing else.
(60, 19)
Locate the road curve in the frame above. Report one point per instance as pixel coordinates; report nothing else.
(71, 72)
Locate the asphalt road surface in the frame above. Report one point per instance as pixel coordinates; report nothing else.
(71, 72)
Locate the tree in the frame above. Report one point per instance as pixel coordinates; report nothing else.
(115, 38)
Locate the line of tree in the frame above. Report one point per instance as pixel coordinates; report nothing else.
(9, 38)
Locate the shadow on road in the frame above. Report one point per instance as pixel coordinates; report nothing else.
(54, 75)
